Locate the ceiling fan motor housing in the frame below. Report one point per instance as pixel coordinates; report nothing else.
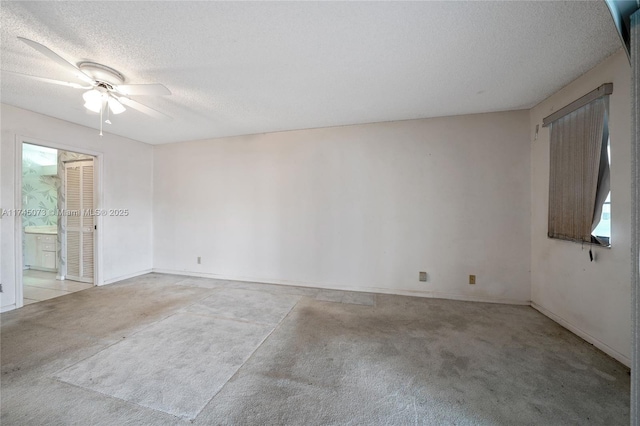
(102, 73)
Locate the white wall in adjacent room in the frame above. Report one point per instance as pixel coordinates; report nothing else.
(590, 298)
(362, 207)
(127, 183)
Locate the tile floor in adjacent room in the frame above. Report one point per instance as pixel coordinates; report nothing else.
(42, 285)
(169, 350)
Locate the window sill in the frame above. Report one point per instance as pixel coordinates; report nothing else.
(590, 244)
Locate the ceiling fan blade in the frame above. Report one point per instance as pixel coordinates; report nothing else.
(143, 89)
(57, 58)
(48, 80)
(142, 108)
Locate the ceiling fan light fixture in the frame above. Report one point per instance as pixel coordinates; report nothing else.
(92, 95)
(115, 106)
(93, 100)
(93, 106)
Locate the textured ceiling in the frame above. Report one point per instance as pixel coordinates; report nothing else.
(242, 68)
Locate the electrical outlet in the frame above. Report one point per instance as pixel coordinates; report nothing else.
(199, 260)
(472, 279)
(423, 276)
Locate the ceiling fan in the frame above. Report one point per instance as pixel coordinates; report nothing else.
(104, 86)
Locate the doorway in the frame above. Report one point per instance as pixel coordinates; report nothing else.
(58, 223)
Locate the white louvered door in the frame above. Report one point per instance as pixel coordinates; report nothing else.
(80, 227)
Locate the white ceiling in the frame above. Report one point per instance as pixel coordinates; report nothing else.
(242, 68)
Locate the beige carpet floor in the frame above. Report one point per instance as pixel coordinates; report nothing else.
(162, 349)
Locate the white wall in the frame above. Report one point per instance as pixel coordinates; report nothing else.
(127, 179)
(361, 207)
(590, 298)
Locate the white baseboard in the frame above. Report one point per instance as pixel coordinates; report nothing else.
(126, 277)
(7, 308)
(380, 290)
(431, 294)
(583, 334)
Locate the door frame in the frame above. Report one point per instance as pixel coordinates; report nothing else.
(98, 197)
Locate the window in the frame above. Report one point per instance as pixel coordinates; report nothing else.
(579, 169)
(603, 231)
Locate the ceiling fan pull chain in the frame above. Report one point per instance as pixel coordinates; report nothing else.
(108, 120)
